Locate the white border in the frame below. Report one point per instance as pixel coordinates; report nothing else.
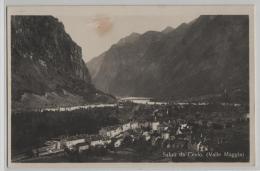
(2, 86)
(3, 158)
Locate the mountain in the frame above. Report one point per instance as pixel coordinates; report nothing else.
(167, 30)
(47, 66)
(95, 64)
(196, 59)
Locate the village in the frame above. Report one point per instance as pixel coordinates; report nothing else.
(161, 130)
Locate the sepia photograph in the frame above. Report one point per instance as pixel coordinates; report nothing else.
(130, 84)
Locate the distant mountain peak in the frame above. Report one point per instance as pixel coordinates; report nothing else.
(134, 34)
(168, 29)
(129, 39)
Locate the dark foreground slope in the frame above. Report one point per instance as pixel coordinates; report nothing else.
(47, 67)
(200, 58)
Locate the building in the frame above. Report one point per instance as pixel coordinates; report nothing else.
(138, 100)
(155, 126)
(99, 140)
(165, 135)
(163, 127)
(126, 127)
(72, 142)
(119, 130)
(53, 144)
(52, 147)
(106, 140)
(184, 126)
(145, 124)
(179, 131)
(43, 151)
(134, 125)
(96, 140)
(147, 136)
(111, 131)
(83, 147)
(118, 143)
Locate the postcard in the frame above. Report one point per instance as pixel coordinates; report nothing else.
(130, 86)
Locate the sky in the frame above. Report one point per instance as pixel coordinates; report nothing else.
(96, 28)
(96, 34)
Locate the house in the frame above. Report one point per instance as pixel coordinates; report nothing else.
(120, 105)
(83, 146)
(165, 135)
(110, 131)
(106, 140)
(134, 125)
(155, 126)
(43, 151)
(118, 143)
(72, 142)
(145, 124)
(179, 131)
(52, 147)
(126, 127)
(96, 140)
(119, 136)
(184, 126)
(147, 136)
(114, 131)
(119, 130)
(53, 144)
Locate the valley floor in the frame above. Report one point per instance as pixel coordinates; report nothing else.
(130, 132)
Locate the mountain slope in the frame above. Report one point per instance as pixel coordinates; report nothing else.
(47, 66)
(203, 57)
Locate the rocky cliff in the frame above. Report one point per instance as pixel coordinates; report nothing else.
(47, 66)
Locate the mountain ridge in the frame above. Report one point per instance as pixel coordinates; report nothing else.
(211, 53)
